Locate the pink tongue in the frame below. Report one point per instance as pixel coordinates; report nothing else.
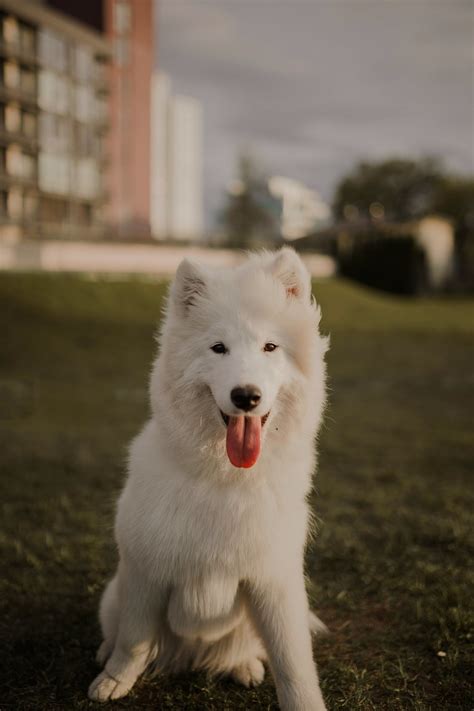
(243, 440)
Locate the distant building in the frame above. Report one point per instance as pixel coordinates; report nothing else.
(159, 159)
(302, 209)
(176, 190)
(75, 118)
(53, 119)
(129, 26)
(185, 164)
(435, 235)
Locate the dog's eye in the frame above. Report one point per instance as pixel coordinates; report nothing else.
(269, 347)
(219, 348)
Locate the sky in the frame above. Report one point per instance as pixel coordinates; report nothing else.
(311, 87)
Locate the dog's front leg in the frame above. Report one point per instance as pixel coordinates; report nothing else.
(135, 637)
(279, 608)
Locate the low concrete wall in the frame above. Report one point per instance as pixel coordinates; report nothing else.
(104, 257)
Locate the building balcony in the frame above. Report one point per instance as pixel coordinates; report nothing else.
(26, 98)
(7, 137)
(9, 50)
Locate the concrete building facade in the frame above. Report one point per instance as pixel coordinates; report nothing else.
(159, 155)
(53, 121)
(129, 27)
(75, 118)
(176, 186)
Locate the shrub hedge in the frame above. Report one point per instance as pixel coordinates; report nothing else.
(393, 263)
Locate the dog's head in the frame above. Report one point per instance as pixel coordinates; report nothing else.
(243, 341)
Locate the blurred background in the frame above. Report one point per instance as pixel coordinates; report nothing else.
(343, 128)
(134, 133)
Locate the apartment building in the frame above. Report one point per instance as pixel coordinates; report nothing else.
(54, 110)
(129, 26)
(176, 186)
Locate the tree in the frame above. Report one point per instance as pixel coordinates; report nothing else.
(455, 199)
(401, 190)
(248, 215)
(396, 189)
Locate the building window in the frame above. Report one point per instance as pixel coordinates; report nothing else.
(52, 51)
(28, 125)
(100, 71)
(3, 203)
(122, 17)
(17, 121)
(84, 215)
(83, 62)
(12, 118)
(87, 141)
(54, 92)
(30, 205)
(19, 164)
(84, 104)
(101, 110)
(27, 40)
(53, 210)
(11, 74)
(27, 81)
(15, 204)
(121, 51)
(54, 133)
(11, 30)
(18, 78)
(13, 160)
(54, 173)
(87, 179)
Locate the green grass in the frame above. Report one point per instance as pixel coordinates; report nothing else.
(389, 568)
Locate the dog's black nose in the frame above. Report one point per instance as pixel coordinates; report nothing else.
(246, 398)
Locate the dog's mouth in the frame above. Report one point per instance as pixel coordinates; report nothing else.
(243, 439)
(226, 418)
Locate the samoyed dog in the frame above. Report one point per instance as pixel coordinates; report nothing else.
(212, 522)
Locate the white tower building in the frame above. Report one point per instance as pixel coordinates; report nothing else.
(159, 182)
(302, 208)
(176, 164)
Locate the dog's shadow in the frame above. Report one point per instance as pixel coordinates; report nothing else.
(50, 662)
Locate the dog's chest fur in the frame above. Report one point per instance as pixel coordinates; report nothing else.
(205, 607)
(186, 529)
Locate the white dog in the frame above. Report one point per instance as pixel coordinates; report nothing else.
(212, 523)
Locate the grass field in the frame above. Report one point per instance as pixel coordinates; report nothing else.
(389, 568)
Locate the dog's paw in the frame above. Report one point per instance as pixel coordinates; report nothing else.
(103, 653)
(105, 688)
(249, 673)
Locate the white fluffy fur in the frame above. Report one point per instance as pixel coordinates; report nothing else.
(211, 556)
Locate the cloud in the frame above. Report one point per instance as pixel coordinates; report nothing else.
(314, 85)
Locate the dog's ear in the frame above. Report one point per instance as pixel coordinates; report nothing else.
(188, 285)
(288, 268)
